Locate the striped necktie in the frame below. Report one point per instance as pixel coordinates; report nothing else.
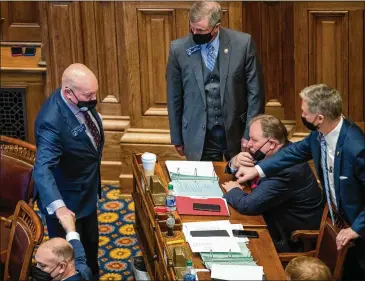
(210, 57)
(325, 175)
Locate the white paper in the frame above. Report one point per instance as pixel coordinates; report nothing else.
(214, 244)
(236, 272)
(206, 225)
(191, 168)
(198, 188)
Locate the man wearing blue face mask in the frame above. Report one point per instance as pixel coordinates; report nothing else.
(289, 201)
(69, 138)
(214, 87)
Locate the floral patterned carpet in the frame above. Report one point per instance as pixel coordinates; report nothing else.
(117, 240)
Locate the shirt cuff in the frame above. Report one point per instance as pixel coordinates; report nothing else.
(260, 171)
(233, 170)
(72, 235)
(51, 208)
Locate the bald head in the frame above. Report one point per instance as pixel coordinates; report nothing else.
(77, 76)
(56, 249)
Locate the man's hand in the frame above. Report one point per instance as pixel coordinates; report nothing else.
(246, 173)
(229, 185)
(244, 144)
(68, 223)
(180, 149)
(345, 236)
(242, 159)
(64, 211)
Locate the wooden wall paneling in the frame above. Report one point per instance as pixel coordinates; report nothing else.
(65, 37)
(331, 54)
(33, 83)
(20, 21)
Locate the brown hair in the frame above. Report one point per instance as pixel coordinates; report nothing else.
(271, 127)
(202, 9)
(307, 268)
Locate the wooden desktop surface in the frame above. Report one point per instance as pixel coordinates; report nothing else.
(262, 249)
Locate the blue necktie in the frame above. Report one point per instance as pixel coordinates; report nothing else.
(210, 57)
(325, 175)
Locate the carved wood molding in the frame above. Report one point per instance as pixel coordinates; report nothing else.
(115, 123)
(146, 136)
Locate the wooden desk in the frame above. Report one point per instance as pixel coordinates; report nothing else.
(149, 228)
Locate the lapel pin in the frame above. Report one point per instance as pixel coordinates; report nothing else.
(225, 51)
(338, 153)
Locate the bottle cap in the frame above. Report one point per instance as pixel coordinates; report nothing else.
(189, 263)
(170, 186)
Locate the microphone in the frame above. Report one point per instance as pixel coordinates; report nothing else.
(170, 226)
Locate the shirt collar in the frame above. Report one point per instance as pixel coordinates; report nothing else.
(332, 137)
(214, 43)
(75, 110)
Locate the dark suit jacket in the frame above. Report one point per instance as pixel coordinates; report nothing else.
(67, 165)
(289, 201)
(349, 169)
(241, 91)
(83, 271)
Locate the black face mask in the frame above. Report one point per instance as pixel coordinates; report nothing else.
(258, 155)
(203, 38)
(40, 275)
(309, 125)
(84, 105)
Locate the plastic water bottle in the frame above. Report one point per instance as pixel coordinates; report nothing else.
(190, 274)
(171, 198)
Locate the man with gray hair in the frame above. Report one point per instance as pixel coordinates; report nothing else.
(337, 147)
(289, 201)
(214, 87)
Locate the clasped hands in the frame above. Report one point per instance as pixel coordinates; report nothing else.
(67, 219)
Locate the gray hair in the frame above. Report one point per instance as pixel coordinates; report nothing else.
(271, 127)
(323, 99)
(202, 9)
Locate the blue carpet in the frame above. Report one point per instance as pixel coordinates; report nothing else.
(117, 240)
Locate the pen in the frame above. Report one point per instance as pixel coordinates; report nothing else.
(172, 242)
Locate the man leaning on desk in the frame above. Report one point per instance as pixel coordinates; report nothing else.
(290, 200)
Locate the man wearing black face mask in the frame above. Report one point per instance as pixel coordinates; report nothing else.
(214, 87)
(289, 201)
(337, 147)
(69, 138)
(58, 259)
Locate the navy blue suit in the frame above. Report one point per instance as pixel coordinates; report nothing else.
(67, 167)
(349, 171)
(289, 201)
(83, 271)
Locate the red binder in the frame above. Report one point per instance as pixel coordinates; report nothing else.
(184, 206)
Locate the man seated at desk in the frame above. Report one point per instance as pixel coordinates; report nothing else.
(289, 201)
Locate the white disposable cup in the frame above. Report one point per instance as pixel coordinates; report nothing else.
(148, 163)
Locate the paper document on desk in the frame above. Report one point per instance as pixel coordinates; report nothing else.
(236, 272)
(197, 188)
(214, 244)
(191, 170)
(206, 225)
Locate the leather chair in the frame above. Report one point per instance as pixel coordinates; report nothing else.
(26, 231)
(326, 249)
(17, 162)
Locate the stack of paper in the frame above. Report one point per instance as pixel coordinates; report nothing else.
(236, 272)
(191, 170)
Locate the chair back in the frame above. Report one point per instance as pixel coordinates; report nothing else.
(26, 232)
(17, 162)
(326, 249)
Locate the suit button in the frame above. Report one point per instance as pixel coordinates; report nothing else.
(205, 109)
(203, 127)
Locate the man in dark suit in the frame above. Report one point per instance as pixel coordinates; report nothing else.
(214, 86)
(58, 259)
(69, 138)
(290, 200)
(337, 147)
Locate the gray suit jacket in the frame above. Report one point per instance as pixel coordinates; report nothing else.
(241, 90)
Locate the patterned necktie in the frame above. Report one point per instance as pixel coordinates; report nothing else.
(93, 129)
(325, 175)
(210, 57)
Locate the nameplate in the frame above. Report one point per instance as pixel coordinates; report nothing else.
(193, 50)
(79, 129)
